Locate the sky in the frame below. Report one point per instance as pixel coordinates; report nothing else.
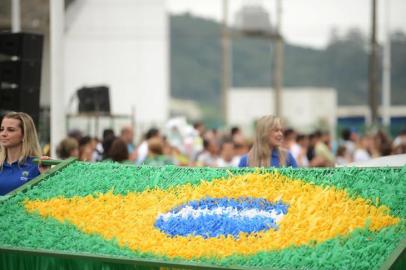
(307, 22)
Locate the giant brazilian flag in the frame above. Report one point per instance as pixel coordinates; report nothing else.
(344, 218)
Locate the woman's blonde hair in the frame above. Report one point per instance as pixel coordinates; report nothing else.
(260, 153)
(30, 145)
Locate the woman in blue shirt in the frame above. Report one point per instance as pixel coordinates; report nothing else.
(18, 146)
(266, 150)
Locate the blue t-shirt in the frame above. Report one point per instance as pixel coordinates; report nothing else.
(14, 175)
(290, 160)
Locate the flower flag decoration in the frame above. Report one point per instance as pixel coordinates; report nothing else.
(246, 217)
(314, 214)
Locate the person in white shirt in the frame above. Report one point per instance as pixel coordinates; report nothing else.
(142, 150)
(209, 157)
(363, 150)
(227, 155)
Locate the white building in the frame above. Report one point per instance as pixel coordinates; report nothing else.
(122, 44)
(302, 108)
(363, 111)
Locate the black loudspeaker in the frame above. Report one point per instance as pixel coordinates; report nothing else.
(25, 46)
(94, 99)
(21, 101)
(24, 74)
(20, 73)
(2, 113)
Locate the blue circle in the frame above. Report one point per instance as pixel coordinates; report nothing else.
(211, 217)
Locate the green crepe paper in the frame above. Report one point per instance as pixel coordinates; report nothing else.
(362, 249)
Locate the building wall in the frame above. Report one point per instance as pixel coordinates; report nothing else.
(359, 118)
(122, 44)
(302, 108)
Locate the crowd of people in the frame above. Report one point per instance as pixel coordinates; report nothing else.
(272, 145)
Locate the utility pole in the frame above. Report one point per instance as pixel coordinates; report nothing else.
(15, 16)
(386, 83)
(277, 78)
(58, 119)
(225, 82)
(373, 69)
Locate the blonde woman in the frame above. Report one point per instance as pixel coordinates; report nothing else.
(266, 150)
(18, 146)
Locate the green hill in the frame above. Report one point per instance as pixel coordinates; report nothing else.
(343, 64)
